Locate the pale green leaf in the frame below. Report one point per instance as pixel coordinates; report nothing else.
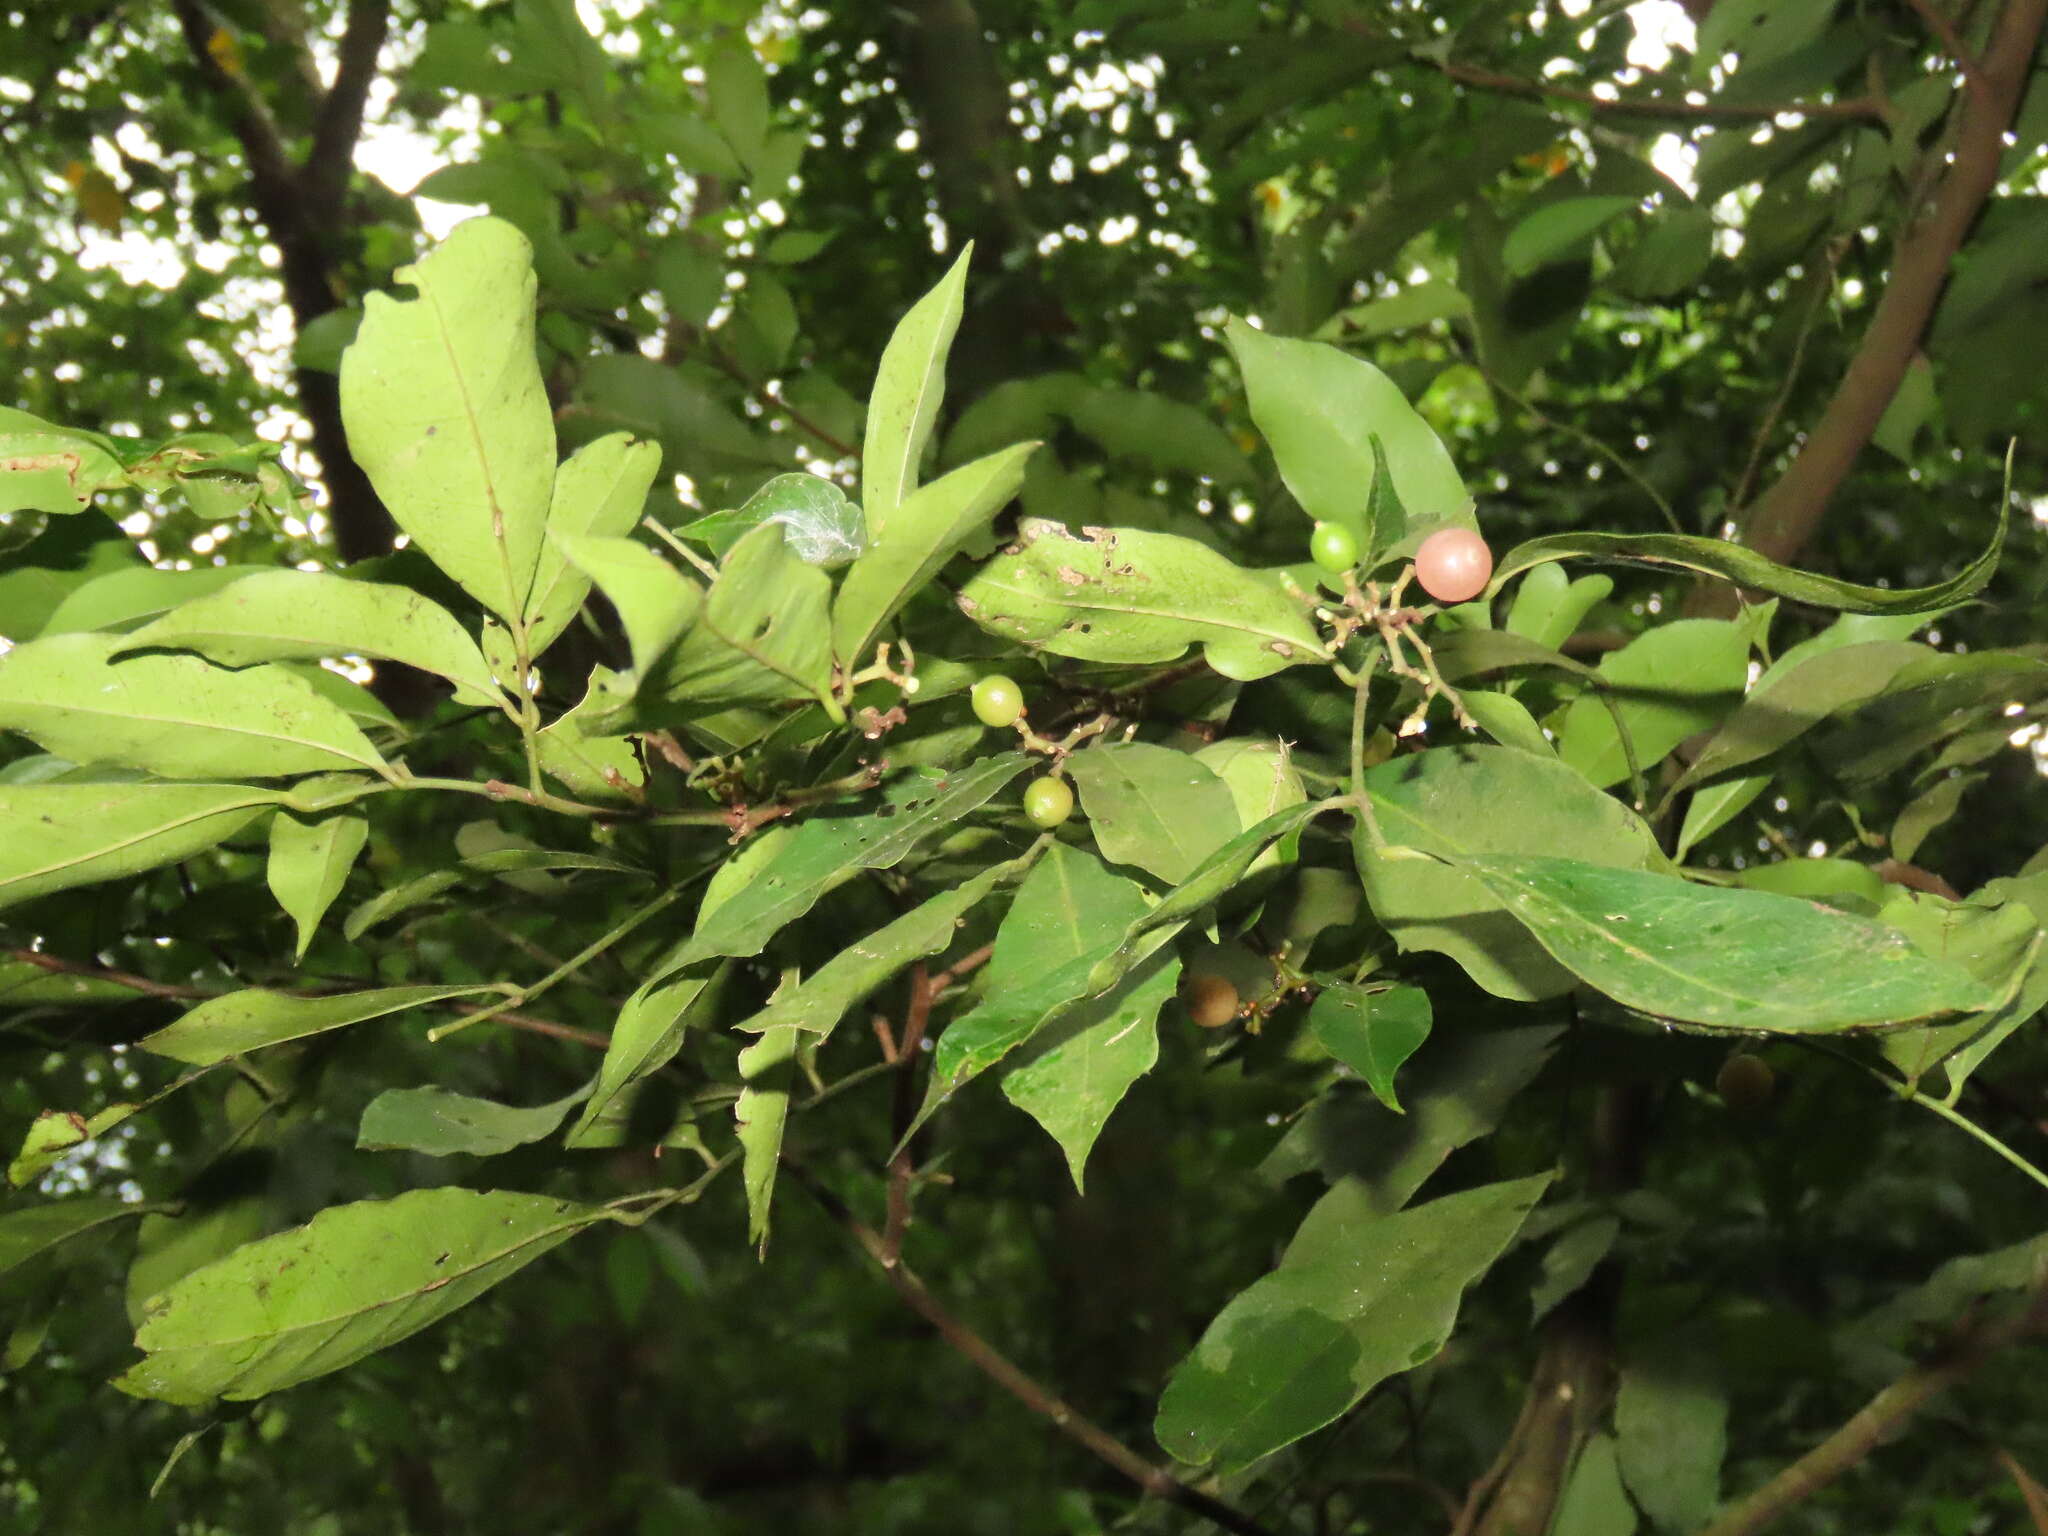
(303, 615)
(445, 412)
(767, 1069)
(857, 970)
(600, 491)
(1594, 1502)
(442, 1123)
(825, 852)
(1153, 807)
(174, 715)
(650, 1030)
(46, 468)
(1669, 683)
(1319, 408)
(923, 532)
(1559, 231)
(310, 858)
(352, 1281)
(58, 835)
(655, 601)
(1131, 596)
(821, 525)
(910, 385)
(239, 1022)
(760, 637)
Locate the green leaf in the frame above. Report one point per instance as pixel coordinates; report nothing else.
(441, 1123)
(174, 715)
(304, 615)
(1342, 1313)
(1747, 568)
(127, 599)
(1131, 596)
(1217, 875)
(650, 1031)
(1671, 1425)
(656, 602)
(922, 534)
(1154, 807)
(45, 468)
(600, 491)
(1788, 701)
(310, 858)
(825, 852)
(761, 636)
(1926, 703)
(910, 385)
(239, 1022)
(57, 835)
(353, 1280)
(399, 898)
(1507, 720)
(1996, 936)
(168, 1248)
(34, 1230)
(1666, 685)
(1559, 231)
(1320, 408)
(1458, 1087)
(1077, 1071)
(55, 1132)
(737, 91)
(1070, 912)
(1455, 801)
(1570, 1261)
(442, 399)
(1724, 958)
(821, 525)
(592, 767)
(861, 967)
(1372, 1033)
(760, 1114)
(1594, 1502)
(1928, 811)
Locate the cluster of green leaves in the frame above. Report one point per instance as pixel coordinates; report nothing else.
(820, 722)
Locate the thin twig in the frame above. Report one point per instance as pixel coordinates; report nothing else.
(1945, 32)
(1868, 108)
(1155, 1481)
(1967, 1346)
(1824, 281)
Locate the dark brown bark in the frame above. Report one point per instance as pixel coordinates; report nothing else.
(1784, 519)
(302, 208)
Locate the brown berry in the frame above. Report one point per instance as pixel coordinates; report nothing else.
(1211, 1001)
(1745, 1083)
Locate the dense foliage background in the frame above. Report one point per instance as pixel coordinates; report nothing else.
(1775, 268)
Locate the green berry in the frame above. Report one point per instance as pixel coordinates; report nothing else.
(1334, 547)
(998, 701)
(1048, 801)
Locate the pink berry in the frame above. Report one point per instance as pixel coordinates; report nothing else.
(1453, 565)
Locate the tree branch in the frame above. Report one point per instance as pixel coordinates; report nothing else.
(1866, 108)
(1787, 514)
(175, 992)
(339, 122)
(1155, 1481)
(1863, 108)
(1966, 1348)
